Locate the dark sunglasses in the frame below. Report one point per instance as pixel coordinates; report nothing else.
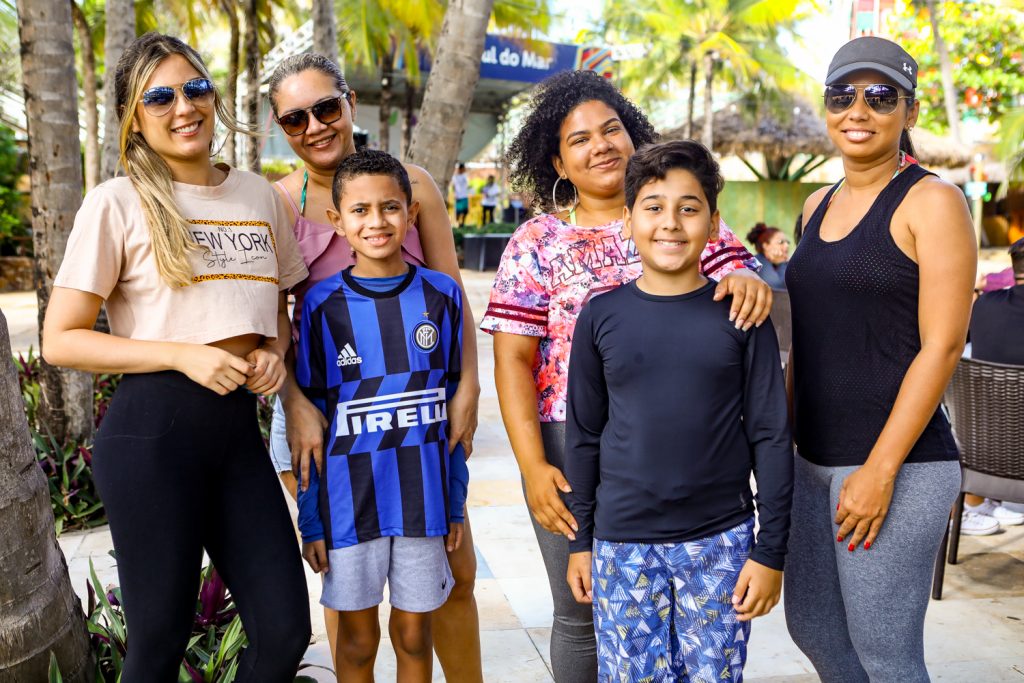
(160, 99)
(881, 97)
(326, 112)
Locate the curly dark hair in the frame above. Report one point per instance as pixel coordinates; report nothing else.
(529, 156)
(369, 162)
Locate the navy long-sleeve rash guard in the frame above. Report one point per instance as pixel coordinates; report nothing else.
(670, 408)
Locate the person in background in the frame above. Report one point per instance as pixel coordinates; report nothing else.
(489, 200)
(997, 336)
(772, 250)
(460, 186)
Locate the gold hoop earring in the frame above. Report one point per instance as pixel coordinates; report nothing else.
(554, 195)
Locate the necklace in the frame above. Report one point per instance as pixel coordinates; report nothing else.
(899, 169)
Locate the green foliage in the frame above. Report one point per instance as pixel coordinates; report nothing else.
(1011, 142)
(985, 48)
(13, 165)
(68, 466)
(491, 228)
(741, 34)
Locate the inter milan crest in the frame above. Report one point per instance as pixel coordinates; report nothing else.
(425, 336)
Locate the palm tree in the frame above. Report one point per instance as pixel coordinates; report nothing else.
(89, 100)
(949, 94)
(41, 613)
(253, 58)
(705, 35)
(120, 32)
(449, 93)
(325, 30)
(230, 9)
(51, 108)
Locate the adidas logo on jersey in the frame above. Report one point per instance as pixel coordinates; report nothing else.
(348, 356)
(393, 411)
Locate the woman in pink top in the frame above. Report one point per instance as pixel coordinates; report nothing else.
(316, 109)
(571, 155)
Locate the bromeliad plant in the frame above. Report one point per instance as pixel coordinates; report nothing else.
(214, 648)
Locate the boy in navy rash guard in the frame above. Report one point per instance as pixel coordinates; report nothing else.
(670, 409)
(380, 355)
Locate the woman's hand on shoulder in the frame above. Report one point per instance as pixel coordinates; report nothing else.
(216, 369)
(751, 297)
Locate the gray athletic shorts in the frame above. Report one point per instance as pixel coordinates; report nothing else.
(415, 569)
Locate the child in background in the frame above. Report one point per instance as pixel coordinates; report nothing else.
(670, 408)
(489, 200)
(380, 354)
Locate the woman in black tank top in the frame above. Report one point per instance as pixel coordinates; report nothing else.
(880, 287)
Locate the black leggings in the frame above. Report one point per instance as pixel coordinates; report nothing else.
(181, 469)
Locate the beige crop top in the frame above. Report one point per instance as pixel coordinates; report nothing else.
(251, 256)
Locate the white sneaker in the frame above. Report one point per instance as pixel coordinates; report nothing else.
(973, 524)
(991, 508)
(1013, 507)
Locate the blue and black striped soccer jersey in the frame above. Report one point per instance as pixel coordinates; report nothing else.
(381, 366)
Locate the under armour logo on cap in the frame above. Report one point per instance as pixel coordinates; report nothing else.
(908, 68)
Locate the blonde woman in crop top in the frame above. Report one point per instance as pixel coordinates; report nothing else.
(315, 109)
(193, 260)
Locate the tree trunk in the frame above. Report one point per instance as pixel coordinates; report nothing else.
(708, 135)
(438, 136)
(51, 107)
(41, 612)
(231, 91)
(120, 32)
(387, 84)
(949, 94)
(693, 96)
(92, 122)
(252, 81)
(325, 30)
(408, 118)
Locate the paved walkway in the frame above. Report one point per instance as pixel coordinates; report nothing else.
(975, 634)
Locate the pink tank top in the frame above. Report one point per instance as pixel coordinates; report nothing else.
(327, 253)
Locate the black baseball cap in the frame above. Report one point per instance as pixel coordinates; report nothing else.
(877, 54)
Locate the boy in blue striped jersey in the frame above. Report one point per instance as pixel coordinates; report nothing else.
(380, 355)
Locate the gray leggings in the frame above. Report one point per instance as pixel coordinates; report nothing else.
(573, 644)
(859, 616)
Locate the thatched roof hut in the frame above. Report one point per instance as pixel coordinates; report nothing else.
(739, 132)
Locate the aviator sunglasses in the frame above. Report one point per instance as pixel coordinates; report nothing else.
(326, 112)
(160, 99)
(881, 97)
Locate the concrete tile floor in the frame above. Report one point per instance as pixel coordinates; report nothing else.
(975, 634)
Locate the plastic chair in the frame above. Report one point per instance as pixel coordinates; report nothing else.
(986, 409)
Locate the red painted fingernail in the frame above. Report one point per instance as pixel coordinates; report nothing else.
(837, 506)
(867, 544)
(850, 548)
(839, 539)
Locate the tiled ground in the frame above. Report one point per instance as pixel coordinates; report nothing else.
(975, 634)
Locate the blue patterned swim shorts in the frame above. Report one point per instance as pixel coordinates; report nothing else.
(663, 611)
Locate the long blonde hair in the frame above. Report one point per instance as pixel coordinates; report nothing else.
(169, 231)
